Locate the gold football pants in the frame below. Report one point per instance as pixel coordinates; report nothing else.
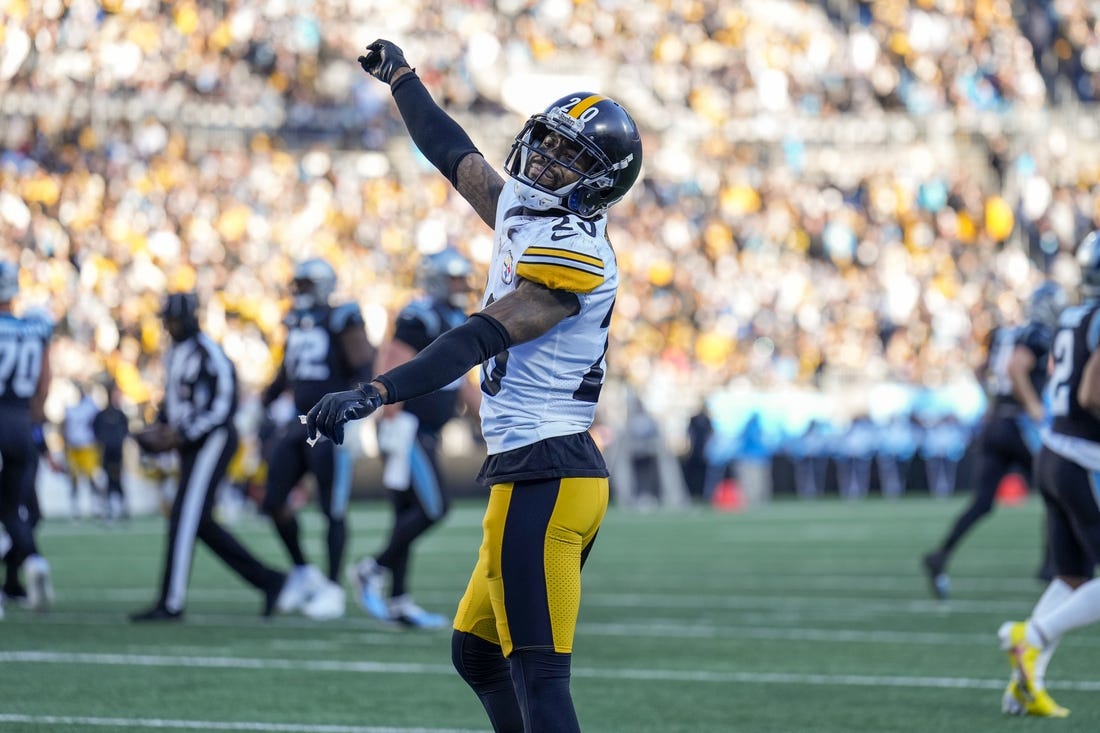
(525, 590)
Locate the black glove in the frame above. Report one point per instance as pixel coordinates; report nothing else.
(382, 60)
(328, 416)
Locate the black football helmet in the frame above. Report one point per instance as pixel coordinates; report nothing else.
(595, 139)
(1088, 257)
(436, 272)
(313, 283)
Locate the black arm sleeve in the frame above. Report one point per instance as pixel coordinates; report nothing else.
(446, 359)
(442, 141)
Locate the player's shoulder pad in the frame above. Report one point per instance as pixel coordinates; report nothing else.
(40, 322)
(565, 253)
(423, 311)
(41, 328)
(344, 315)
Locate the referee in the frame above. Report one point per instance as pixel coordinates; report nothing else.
(196, 419)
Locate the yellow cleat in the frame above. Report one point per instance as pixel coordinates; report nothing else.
(1023, 696)
(1042, 705)
(1021, 655)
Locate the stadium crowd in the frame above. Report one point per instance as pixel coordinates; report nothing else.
(807, 218)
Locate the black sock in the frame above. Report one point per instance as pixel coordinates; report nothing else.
(337, 538)
(483, 667)
(291, 536)
(541, 680)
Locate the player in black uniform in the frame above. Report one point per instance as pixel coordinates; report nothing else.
(1068, 477)
(409, 435)
(326, 349)
(24, 383)
(196, 419)
(1016, 371)
(13, 588)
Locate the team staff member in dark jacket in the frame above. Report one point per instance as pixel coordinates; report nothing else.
(196, 418)
(111, 428)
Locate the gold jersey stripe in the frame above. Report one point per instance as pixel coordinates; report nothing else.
(565, 254)
(560, 277)
(584, 104)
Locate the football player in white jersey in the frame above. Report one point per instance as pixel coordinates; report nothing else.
(541, 339)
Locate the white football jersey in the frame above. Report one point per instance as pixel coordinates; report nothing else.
(548, 387)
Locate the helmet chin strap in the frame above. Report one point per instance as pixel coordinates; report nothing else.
(303, 302)
(532, 198)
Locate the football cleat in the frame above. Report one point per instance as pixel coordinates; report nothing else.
(301, 583)
(1042, 705)
(156, 613)
(368, 579)
(1021, 654)
(327, 603)
(13, 590)
(406, 613)
(1013, 701)
(938, 581)
(39, 587)
(1025, 694)
(272, 594)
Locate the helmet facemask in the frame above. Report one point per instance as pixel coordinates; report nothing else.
(302, 292)
(550, 156)
(445, 278)
(581, 155)
(313, 284)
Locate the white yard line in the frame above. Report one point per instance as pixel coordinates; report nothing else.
(758, 599)
(659, 675)
(116, 723)
(368, 632)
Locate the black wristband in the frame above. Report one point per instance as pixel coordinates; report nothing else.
(442, 140)
(404, 78)
(446, 359)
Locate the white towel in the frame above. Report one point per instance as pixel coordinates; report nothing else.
(396, 437)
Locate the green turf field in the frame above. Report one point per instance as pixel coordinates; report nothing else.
(795, 617)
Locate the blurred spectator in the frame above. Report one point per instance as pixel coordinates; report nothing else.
(644, 473)
(897, 444)
(753, 460)
(810, 453)
(943, 445)
(855, 452)
(111, 428)
(699, 431)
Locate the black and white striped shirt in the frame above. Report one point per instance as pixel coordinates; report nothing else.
(200, 390)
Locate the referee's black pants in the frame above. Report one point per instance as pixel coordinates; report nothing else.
(202, 468)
